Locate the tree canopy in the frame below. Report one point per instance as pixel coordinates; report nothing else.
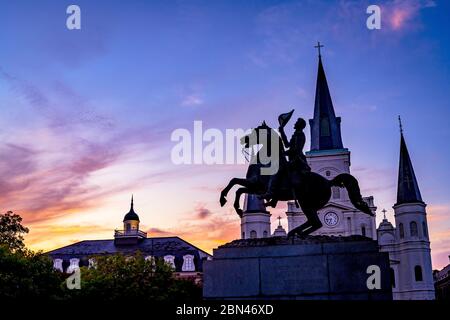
(117, 277)
(11, 231)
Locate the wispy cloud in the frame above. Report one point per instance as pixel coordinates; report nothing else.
(402, 15)
(207, 229)
(193, 99)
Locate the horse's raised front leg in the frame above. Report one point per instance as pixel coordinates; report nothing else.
(312, 224)
(231, 184)
(237, 199)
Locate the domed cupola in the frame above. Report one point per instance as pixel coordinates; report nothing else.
(130, 233)
(131, 215)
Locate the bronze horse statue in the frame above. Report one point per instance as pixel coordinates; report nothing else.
(311, 191)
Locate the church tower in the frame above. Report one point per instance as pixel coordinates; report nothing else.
(255, 221)
(328, 157)
(413, 270)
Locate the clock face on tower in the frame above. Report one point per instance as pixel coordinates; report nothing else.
(331, 219)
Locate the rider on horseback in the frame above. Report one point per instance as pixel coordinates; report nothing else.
(297, 164)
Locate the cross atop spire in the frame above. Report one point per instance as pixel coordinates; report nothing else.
(318, 47)
(279, 221)
(384, 213)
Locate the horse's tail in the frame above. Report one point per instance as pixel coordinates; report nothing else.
(349, 182)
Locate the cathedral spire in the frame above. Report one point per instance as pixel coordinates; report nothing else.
(325, 126)
(408, 188)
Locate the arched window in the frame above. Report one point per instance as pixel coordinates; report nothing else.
(92, 263)
(363, 230)
(188, 263)
(413, 229)
(265, 234)
(324, 127)
(253, 234)
(392, 272)
(170, 260)
(74, 264)
(424, 228)
(418, 273)
(336, 192)
(401, 230)
(128, 226)
(58, 264)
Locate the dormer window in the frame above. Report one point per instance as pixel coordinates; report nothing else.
(57, 264)
(74, 264)
(170, 260)
(188, 263)
(92, 263)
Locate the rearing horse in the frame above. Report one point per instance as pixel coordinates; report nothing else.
(312, 193)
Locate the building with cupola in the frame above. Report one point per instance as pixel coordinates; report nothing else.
(185, 258)
(407, 242)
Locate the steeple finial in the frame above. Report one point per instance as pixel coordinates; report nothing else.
(400, 124)
(132, 201)
(318, 48)
(384, 213)
(279, 221)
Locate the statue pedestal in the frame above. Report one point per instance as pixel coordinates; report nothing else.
(315, 267)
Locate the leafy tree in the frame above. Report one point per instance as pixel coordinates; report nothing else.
(11, 231)
(25, 274)
(118, 277)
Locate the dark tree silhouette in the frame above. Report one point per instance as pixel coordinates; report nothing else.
(11, 231)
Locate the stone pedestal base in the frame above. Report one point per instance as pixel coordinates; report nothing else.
(316, 267)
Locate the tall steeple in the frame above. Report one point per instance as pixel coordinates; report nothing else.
(325, 126)
(408, 188)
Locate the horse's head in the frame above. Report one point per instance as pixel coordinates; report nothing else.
(256, 135)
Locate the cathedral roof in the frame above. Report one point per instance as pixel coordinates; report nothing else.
(385, 225)
(325, 126)
(408, 188)
(279, 231)
(131, 215)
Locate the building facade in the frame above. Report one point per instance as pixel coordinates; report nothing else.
(442, 282)
(185, 258)
(408, 243)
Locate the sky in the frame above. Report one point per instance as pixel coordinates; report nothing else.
(86, 116)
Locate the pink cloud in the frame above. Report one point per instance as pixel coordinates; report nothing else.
(402, 14)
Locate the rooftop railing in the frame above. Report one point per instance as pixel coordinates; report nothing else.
(129, 233)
